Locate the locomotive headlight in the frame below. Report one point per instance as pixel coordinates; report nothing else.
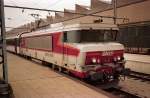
(118, 58)
(94, 60)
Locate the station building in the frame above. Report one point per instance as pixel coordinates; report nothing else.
(135, 32)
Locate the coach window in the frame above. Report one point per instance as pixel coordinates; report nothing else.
(10, 42)
(41, 42)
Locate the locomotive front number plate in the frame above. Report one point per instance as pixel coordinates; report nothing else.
(107, 53)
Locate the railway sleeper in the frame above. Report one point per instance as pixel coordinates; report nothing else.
(121, 93)
(141, 76)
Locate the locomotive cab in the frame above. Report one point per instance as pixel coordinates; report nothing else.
(101, 57)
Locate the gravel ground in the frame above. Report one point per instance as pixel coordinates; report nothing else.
(138, 87)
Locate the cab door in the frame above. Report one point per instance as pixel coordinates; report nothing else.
(65, 51)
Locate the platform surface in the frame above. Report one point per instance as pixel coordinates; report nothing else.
(31, 80)
(138, 63)
(137, 57)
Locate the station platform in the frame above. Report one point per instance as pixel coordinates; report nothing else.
(138, 63)
(138, 57)
(32, 80)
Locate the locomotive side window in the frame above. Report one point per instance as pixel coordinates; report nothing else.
(65, 37)
(11, 41)
(39, 42)
(83, 36)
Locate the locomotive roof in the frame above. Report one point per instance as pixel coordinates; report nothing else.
(80, 26)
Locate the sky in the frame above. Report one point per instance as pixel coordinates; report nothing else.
(18, 17)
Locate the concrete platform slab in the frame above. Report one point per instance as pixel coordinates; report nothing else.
(31, 80)
(138, 63)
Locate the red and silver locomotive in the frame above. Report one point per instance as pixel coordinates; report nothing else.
(88, 51)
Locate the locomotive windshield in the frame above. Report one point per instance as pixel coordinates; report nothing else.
(83, 36)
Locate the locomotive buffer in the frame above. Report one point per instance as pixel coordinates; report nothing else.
(4, 86)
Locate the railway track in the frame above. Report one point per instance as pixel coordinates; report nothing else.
(121, 94)
(139, 72)
(113, 90)
(141, 76)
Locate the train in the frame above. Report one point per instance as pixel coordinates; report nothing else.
(86, 50)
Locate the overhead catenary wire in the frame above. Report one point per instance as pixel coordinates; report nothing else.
(80, 14)
(16, 28)
(47, 10)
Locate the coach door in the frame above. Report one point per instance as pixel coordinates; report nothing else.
(65, 51)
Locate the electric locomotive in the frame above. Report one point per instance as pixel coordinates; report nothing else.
(86, 50)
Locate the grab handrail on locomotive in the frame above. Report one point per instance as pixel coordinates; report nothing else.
(88, 51)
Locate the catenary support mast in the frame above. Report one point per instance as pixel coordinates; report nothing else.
(3, 53)
(115, 10)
